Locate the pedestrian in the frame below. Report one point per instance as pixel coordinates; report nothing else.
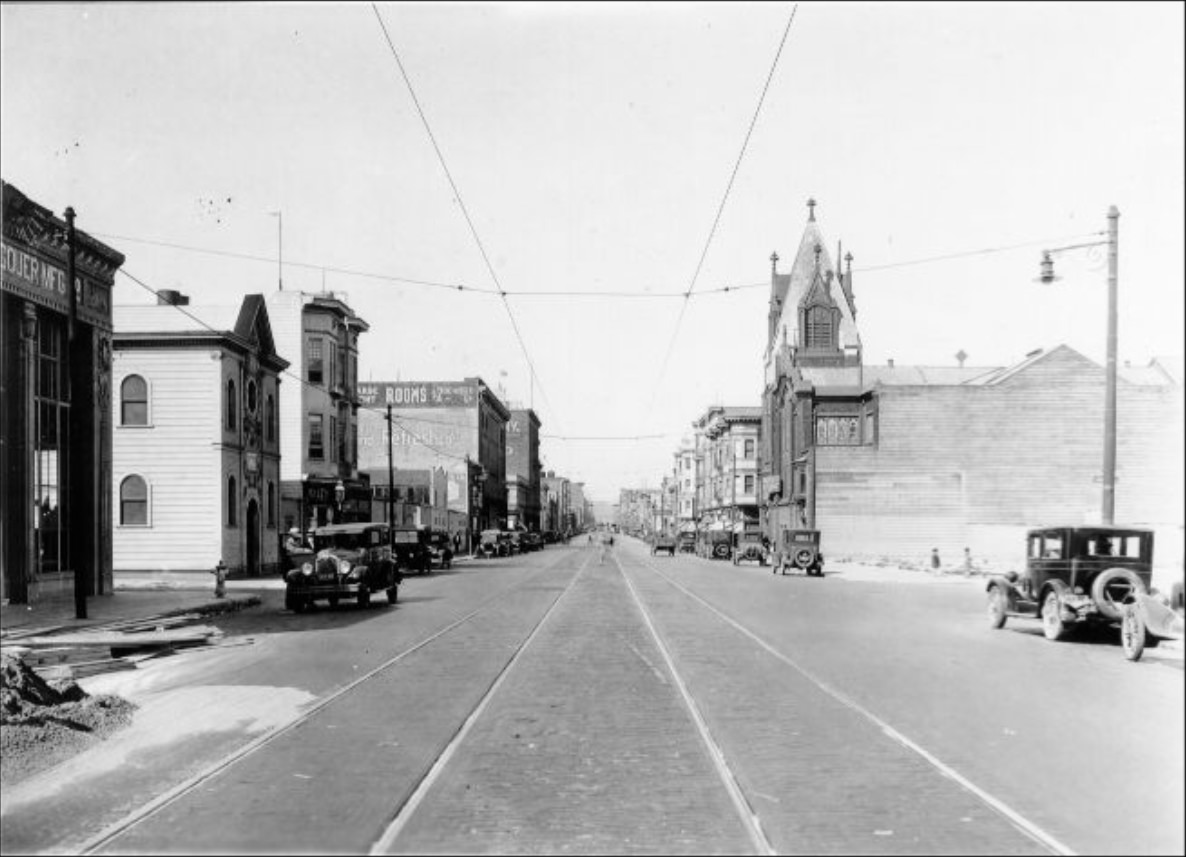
(456, 542)
(606, 543)
(934, 559)
(967, 561)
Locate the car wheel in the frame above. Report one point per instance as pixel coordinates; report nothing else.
(364, 596)
(997, 605)
(393, 595)
(1132, 633)
(1053, 625)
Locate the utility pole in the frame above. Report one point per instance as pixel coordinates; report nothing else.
(280, 246)
(390, 484)
(1108, 499)
(81, 578)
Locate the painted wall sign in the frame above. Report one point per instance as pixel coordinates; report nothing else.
(44, 282)
(419, 394)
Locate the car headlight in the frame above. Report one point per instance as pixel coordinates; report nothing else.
(344, 567)
(307, 568)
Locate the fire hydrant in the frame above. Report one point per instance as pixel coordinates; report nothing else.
(219, 579)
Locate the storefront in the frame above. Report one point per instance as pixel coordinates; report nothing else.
(55, 426)
(317, 501)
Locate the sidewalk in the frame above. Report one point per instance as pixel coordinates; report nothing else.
(135, 597)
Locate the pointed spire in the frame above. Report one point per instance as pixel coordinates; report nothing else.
(774, 263)
(811, 209)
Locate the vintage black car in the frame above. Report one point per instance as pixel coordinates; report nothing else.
(440, 549)
(494, 543)
(750, 546)
(349, 561)
(412, 548)
(687, 543)
(1074, 576)
(532, 541)
(800, 549)
(663, 544)
(715, 544)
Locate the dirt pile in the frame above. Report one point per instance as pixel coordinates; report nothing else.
(43, 723)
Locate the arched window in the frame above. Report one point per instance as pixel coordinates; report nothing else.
(252, 397)
(133, 401)
(271, 504)
(270, 419)
(819, 328)
(231, 405)
(133, 502)
(232, 516)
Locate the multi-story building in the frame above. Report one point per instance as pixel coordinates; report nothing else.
(686, 510)
(196, 468)
(556, 502)
(459, 426)
(523, 469)
(729, 461)
(55, 417)
(897, 460)
(578, 506)
(320, 481)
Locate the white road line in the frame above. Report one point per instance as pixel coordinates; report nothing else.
(156, 804)
(749, 818)
(408, 809)
(1019, 821)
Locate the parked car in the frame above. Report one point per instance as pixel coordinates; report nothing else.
(412, 548)
(1150, 618)
(532, 541)
(663, 544)
(749, 547)
(349, 561)
(687, 543)
(800, 549)
(440, 549)
(715, 544)
(494, 543)
(1074, 576)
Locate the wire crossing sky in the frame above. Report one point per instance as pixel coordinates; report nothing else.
(943, 143)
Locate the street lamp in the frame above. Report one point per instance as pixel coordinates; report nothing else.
(1046, 275)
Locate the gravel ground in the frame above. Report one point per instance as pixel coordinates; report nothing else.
(43, 724)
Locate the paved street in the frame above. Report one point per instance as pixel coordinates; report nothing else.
(550, 703)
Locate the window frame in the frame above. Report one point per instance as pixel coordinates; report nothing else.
(123, 522)
(123, 402)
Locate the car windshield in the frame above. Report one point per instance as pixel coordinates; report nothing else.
(406, 537)
(342, 541)
(439, 539)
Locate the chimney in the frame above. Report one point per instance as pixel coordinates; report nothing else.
(961, 357)
(890, 363)
(171, 297)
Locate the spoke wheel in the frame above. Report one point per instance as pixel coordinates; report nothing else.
(997, 606)
(1132, 633)
(1053, 625)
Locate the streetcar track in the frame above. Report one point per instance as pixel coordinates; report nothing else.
(1016, 819)
(146, 811)
(407, 809)
(749, 818)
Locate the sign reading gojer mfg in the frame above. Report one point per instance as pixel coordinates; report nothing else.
(44, 282)
(419, 394)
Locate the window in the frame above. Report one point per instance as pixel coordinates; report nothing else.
(332, 375)
(252, 397)
(749, 447)
(749, 484)
(133, 502)
(270, 419)
(316, 441)
(271, 505)
(231, 406)
(133, 401)
(837, 431)
(333, 437)
(232, 516)
(314, 360)
(819, 327)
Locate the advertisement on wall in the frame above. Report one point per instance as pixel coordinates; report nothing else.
(419, 394)
(423, 438)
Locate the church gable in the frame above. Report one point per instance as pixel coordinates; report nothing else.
(1061, 368)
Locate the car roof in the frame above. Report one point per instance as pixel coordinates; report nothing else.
(333, 529)
(1090, 528)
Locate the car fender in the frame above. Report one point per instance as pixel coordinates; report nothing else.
(1012, 594)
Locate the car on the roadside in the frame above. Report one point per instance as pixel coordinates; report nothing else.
(1075, 576)
(663, 544)
(749, 547)
(440, 549)
(348, 561)
(800, 549)
(532, 541)
(412, 548)
(493, 543)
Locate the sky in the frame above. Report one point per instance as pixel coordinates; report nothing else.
(588, 149)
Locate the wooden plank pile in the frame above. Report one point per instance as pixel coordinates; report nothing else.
(59, 652)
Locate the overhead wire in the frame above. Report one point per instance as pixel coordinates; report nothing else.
(720, 210)
(464, 210)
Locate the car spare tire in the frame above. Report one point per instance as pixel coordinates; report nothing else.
(1112, 588)
(804, 557)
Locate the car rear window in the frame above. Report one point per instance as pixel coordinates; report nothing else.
(406, 538)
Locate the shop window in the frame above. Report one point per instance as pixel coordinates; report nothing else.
(316, 441)
(270, 419)
(232, 408)
(232, 504)
(133, 502)
(133, 401)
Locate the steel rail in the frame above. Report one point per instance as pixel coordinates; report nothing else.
(1015, 818)
(146, 811)
(408, 808)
